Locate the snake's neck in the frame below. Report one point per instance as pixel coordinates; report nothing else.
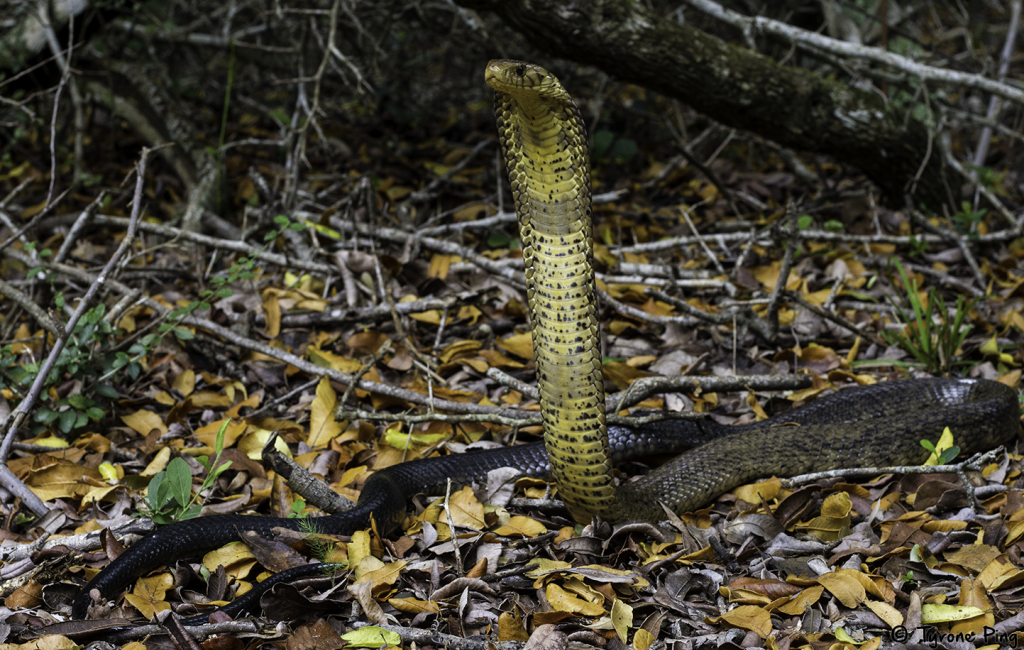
(551, 183)
(556, 170)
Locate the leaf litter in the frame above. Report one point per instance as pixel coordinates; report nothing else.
(183, 419)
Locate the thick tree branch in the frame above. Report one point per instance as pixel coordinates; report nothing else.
(739, 88)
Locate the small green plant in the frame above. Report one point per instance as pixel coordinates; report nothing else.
(833, 225)
(84, 358)
(966, 220)
(499, 239)
(932, 344)
(170, 498)
(91, 355)
(947, 455)
(918, 247)
(240, 270)
(298, 506)
(606, 144)
(990, 178)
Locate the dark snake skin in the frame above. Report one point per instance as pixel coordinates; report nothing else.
(867, 426)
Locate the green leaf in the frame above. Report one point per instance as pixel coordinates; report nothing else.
(158, 492)
(498, 239)
(623, 150)
(804, 222)
(948, 455)
(66, 421)
(79, 401)
(833, 226)
(106, 390)
(190, 512)
(600, 143)
(179, 478)
(183, 334)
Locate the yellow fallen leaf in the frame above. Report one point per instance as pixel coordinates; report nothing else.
(252, 444)
(56, 478)
(801, 601)
(272, 313)
(394, 437)
(748, 617)
(50, 441)
(327, 359)
(383, 577)
(931, 614)
(185, 382)
(144, 421)
(622, 619)
(643, 639)
(208, 434)
(158, 464)
(371, 636)
(235, 557)
(358, 548)
(323, 427)
(520, 345)
(458, 349)
(886, 612)
(414, 605)
(466, 510)
(837, 505)
(148, 595)
(754, 493)
(563, 601)
(521, 526)
(847, 590)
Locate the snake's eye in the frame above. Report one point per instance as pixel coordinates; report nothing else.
(520, 69)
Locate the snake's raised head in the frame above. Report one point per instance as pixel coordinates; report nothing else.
(517, 78)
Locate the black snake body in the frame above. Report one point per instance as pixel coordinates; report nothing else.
(861, 426)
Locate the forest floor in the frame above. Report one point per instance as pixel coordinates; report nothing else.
(399, 264)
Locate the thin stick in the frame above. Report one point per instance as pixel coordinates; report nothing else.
(7, 478)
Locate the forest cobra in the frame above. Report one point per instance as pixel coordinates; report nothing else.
(545, 148)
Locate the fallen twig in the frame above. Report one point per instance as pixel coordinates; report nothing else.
(975, 463)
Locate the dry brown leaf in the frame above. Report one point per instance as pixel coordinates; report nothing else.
(520, 345)
(801, 601)
(149, 593)
(747, 617)
(847, 589)
(521, 526)
(322, 425)
(185, 382)
(235, 557)
(563, 601)
(144, 421)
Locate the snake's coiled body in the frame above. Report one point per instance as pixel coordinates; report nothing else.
(545, 148)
